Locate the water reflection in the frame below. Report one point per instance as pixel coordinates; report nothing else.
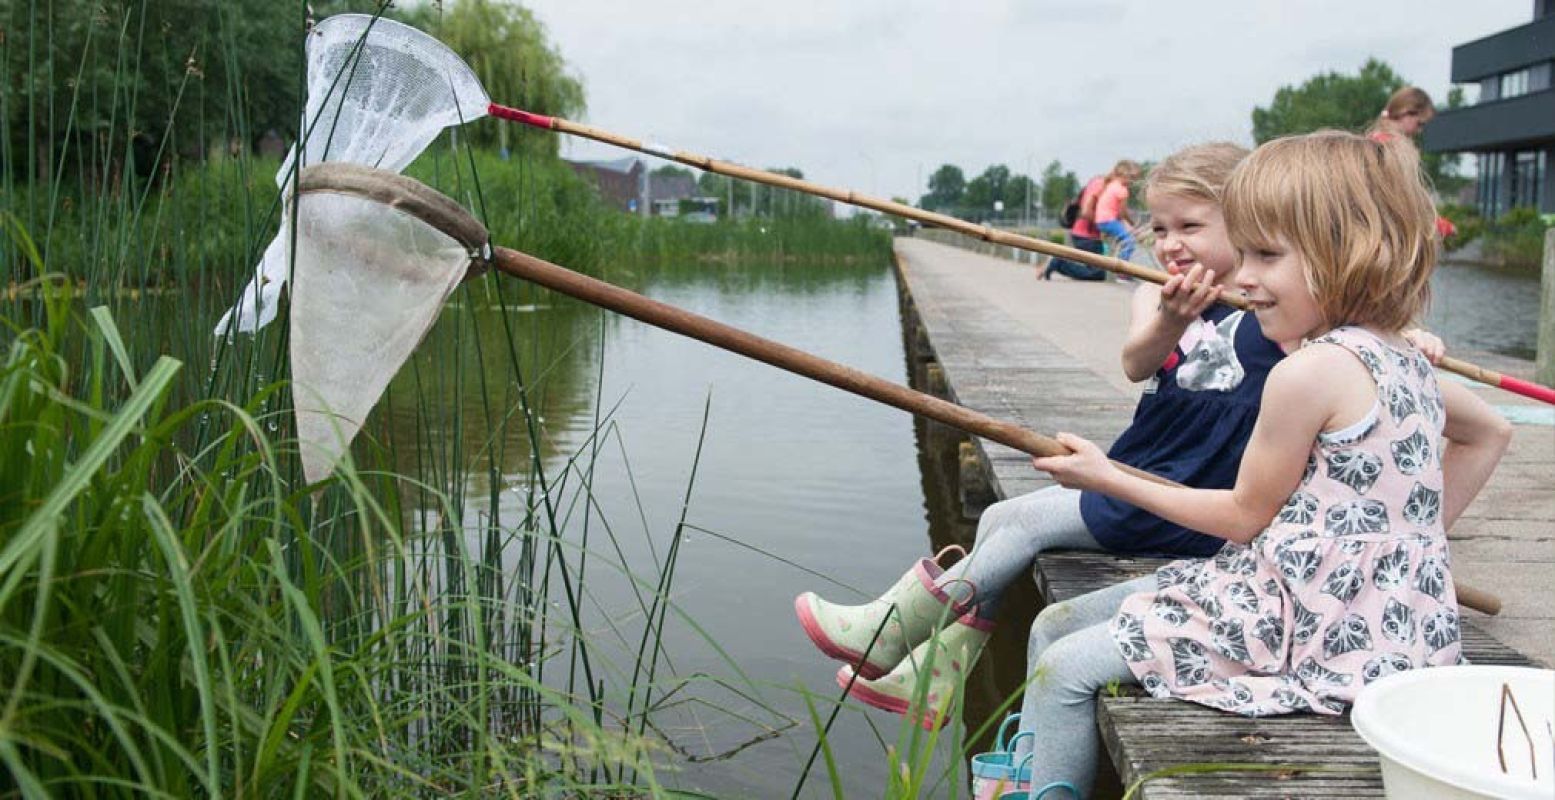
(796, 486)
(1484, 308)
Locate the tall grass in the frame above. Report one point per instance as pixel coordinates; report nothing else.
(182, 622)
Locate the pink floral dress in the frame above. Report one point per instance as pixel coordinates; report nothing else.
(1349, 583)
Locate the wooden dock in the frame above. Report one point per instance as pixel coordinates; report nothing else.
(1044, 354)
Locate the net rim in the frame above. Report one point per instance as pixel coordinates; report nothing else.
(358, 26)
(403, 194)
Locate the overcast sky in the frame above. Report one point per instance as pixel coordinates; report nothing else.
(873, 95)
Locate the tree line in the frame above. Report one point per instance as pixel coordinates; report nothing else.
(98, 87)
(999, 192)
(1327, 100)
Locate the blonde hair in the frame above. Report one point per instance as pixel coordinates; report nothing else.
(1126, 170)
(1199, 172)
(1357, 212)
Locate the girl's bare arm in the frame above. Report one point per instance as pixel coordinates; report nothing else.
(1303, 395)
(1476, 438)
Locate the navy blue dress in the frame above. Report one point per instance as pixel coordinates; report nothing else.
(1191, 426)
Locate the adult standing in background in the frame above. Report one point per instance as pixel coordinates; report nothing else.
(1405, 115)
(1402, 119)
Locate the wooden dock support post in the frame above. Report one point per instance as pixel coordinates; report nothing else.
(1544, 360)
(976, 490)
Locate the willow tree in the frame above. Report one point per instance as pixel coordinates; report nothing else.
(510, 52)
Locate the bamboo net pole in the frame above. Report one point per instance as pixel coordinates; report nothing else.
(983, 232)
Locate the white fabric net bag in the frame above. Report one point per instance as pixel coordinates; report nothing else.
(379, 92)
(372, 273)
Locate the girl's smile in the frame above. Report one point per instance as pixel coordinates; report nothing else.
(1190, 232)
(1273, 279)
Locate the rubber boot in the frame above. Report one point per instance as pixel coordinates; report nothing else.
(944, 661)
(904, 616)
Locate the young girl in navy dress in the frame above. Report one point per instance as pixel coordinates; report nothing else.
(1205, 364)
(1336, 572)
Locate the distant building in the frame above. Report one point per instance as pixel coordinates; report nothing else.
(1512, 126)
(665, 192)
(622, 183)
(626, 184)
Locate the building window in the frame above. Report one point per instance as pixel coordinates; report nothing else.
(1514, 84)
(1526, 176)
(1491, 167)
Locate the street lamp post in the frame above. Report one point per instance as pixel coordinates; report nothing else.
(1026, 209)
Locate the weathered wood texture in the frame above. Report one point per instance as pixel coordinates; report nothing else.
(1042, 374)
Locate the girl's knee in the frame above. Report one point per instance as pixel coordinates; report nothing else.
(1065, 669)
(1052, 623)
(995, 517)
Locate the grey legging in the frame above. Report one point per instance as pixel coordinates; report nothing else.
(1071, 656)
(1010, 534)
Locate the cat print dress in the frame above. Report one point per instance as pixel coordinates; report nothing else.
(1349, 583)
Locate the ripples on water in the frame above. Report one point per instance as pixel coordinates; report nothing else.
(1482, 308)
(802, 471)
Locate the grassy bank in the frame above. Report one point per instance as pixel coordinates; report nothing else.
(205, 222)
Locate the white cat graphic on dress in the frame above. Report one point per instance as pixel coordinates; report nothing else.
(1211, 364)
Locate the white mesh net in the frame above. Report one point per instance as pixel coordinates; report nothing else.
(378, 93)
(370, 281)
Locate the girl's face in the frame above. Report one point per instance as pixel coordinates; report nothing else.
(1274, 280)
(1190, 231)
(1410, 123)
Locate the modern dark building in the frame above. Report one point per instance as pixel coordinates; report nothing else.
(1512, 126)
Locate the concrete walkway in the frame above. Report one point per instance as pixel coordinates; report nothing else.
(1045, 354)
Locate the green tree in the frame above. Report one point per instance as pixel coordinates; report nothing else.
(1328, 100)
(101, 85)
(516, 63)
(983, 190)
(1020, 190)
(1347, 102)
(1058, 186)
(947, 187)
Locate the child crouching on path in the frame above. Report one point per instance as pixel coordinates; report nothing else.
(1206, 363)
(1336, 571)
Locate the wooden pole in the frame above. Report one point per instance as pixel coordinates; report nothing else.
(983, 232)
(1544, 360)
(799, 362)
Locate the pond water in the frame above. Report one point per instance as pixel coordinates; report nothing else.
(1485, 308)
(794, 481)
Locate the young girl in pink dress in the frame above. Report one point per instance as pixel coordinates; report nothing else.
(1336, 571)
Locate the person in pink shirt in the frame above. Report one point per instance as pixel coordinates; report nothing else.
(1112, 217)
(1083, 235)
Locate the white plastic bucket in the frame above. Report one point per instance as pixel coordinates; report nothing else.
(1436, 731)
